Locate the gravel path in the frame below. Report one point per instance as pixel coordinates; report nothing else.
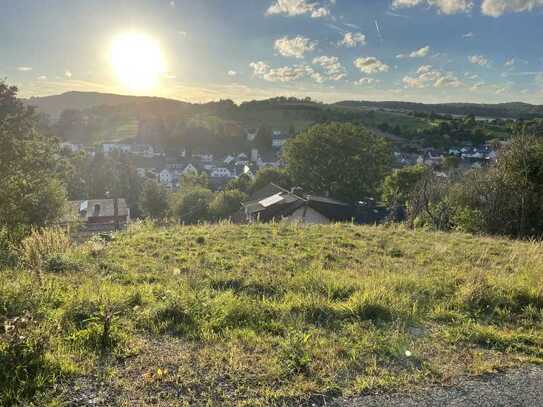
(519, 388)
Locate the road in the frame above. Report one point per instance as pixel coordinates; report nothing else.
(518, 388)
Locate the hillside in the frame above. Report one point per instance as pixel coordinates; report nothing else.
(54, 105)
(514, 110)
(271, 314)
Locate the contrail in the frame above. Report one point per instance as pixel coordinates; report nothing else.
(378, 30)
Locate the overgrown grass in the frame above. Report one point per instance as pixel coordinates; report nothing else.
(275, 314)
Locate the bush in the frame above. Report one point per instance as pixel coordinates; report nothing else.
(42, 245)
(24, 372)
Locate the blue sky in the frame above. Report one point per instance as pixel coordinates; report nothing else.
(417, 50)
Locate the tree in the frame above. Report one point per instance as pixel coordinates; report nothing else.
(343, 160)
(154, 200)
(264, 139)
(226, 203)
(242, 183)
(399, 185)
(192, 205)
(31, 189)
(271, 175)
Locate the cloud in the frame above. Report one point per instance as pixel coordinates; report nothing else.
(510, 62)
(297, 8)
(478, 60)
(232, 73)
(443, 6)
(468, 35)
(428, 76)
(477, 86)
(294, 47)
(172, 4)
(259, 68)
(370, 65)
(68, 74)
(420, 53)
(42, 78)
(24, 68)
(352, 40)
(284, 74)
(496, 8)
(333, 69)
(367, 81)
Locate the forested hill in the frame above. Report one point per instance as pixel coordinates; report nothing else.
(513, 110)
(54, 105)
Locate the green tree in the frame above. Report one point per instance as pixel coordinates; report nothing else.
(271, 175)
(264, 139)
(242, 183)
(398, 186)
(343, 160)
(226, 203)
(31, 191)
(192, 205)
(154, 200)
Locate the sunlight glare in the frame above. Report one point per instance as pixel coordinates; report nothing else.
(137, 61)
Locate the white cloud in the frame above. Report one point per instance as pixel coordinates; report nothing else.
(478, 60)
(477, 86)
(367, 81)
(232, 73)
(352, 40)
(294, 47)
(334, 70)
(468, 35)
(42, 78)
(172, 4)
(68, 74)
(420, 53)
(496, 8)
(510, 62)
(284, 74)
(443, 6)
(24, 68)
(259, 68)
(427, 76)
(371, 65)
(298, 7)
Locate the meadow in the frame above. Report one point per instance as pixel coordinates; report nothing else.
(275, 314)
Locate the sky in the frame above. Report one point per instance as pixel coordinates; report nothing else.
(411, 50)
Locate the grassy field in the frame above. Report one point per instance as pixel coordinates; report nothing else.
(267, 315)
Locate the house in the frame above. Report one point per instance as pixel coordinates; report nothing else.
(251, 134)
(108, 148)
(98, 215)
(274, 203)
(279, 139)
(166, 177)
(221, 172)
(74, 148)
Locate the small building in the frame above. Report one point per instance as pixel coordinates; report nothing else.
(98, 215)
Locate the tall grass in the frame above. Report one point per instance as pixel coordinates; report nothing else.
(42, 245)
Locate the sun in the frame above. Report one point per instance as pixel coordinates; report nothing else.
(137, 61)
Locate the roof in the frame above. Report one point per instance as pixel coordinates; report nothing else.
(267, 191)
(83, 210)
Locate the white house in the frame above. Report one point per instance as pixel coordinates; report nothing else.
(221, 172)
(74, 148)
(190, 170)
(108, 148)
(166, 177)
(251, 134)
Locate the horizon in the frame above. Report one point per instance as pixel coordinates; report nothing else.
(456, 51)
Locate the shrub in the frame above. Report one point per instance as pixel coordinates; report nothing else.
(295, 353)
(24, 372)
(41, 245)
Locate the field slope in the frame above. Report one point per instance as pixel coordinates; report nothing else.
(278, 314)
